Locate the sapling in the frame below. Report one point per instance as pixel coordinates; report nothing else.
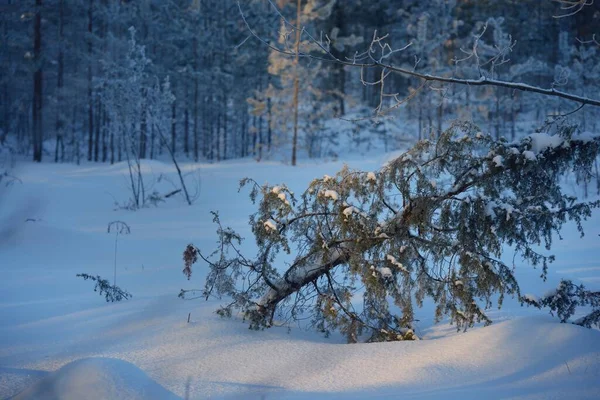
(119, 227)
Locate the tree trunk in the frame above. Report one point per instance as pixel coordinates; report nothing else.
(152, 139)
(143, 128)
(296, 82)
(97, 130)
(244, 134)
(174, 128)
(60, 124)
(37, 85)
(104, 135)
(225, 129)
(196, 139)
(217, 144)
(269, 123)
(254, 131)
(186, 126)
(340, 72)
(497, 116)
(112, 144)
(89, 82)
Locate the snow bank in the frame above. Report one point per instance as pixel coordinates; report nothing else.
(531, 358)
(59, 337)
(97, 378)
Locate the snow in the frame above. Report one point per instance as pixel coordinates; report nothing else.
(332, 194)
(107, 378)
(395, 262)
(489, 208)
(327, 178)
(348, 211)
(508, 209)
(385, 272)
(270, 225)
(532, 297)
(59, 339)
(498, 160)
(541, 141)
(371, 177)
(529, 155)
(585, 136)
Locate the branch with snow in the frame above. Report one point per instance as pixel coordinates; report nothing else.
(566, 299)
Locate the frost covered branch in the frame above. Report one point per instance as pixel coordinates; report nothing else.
(572, 7)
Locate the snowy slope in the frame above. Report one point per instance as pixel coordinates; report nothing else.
(51, 319)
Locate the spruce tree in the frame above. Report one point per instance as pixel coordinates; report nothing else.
(431, 224)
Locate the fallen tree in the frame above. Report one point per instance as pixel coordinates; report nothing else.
(366, 248)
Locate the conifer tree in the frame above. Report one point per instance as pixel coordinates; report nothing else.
(362, 249)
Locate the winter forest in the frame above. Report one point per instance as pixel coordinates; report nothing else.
(91, 80)
(367, 199)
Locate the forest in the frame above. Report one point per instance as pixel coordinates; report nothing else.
(299, 199)
(94, 80)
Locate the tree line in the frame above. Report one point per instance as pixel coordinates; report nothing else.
(97, 80)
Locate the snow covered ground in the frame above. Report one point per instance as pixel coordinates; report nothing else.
(59, 339)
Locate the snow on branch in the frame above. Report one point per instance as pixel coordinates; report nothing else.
(564, 301)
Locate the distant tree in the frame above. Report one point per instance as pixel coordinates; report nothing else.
(37, 106)
(296, 82)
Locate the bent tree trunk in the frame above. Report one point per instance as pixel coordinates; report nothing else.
(367, 247)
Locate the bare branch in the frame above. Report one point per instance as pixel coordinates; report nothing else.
(572, 7)
(368, 60)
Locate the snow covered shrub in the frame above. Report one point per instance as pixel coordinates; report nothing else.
(358, 251)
